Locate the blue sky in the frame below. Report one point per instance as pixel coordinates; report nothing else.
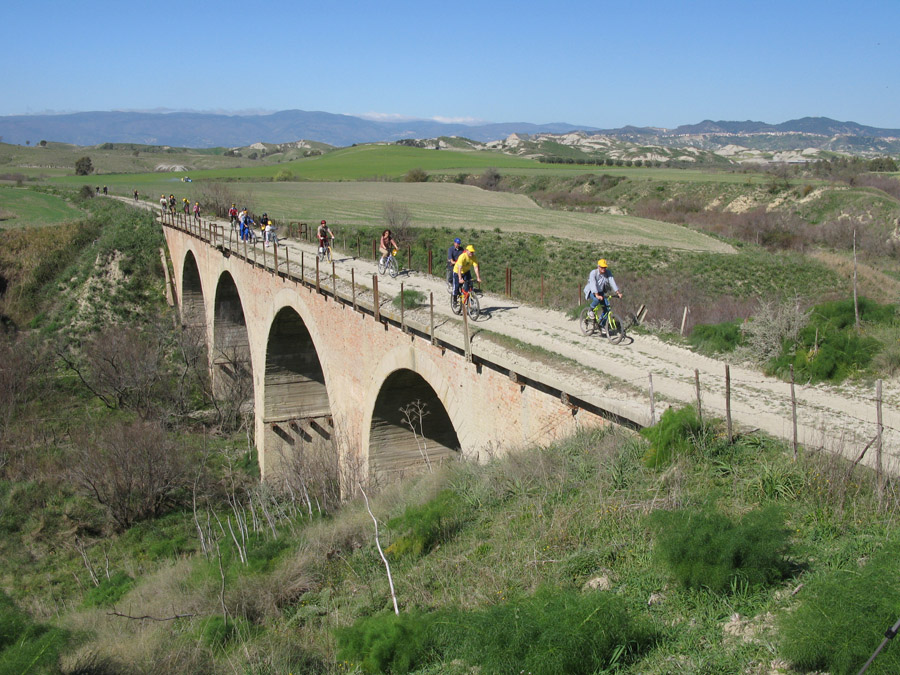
(599, 63)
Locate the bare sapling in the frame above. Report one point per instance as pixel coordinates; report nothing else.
(414, 416)
(384, 559)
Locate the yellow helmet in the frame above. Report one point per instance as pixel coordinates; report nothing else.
(470, 248)
(602, 263)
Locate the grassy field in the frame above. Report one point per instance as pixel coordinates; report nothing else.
(21, 207)
(461, 207)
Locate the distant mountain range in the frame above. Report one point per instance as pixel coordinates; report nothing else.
(205, 130)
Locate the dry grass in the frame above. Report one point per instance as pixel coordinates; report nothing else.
(873, 283)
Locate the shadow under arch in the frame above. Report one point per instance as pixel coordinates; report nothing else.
(295, 384)
(193, 311)
(231, 364)
(299, 438)
(395, 449)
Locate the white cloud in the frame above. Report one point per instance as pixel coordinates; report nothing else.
(397, 117)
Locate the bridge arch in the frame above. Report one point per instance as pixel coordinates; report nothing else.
(402, 385)
(193, 309)
(232, 367)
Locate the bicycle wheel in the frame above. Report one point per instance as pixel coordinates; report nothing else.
(381, 266)
(615, 328)
(587, 322)
(392, 268)
(455, 304)
(473, 307)
(328, 254)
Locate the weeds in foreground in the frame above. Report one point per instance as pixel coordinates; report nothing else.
(707, 549)
(551, 632)
(842, 617)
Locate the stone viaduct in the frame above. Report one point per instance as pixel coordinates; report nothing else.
(329, 372)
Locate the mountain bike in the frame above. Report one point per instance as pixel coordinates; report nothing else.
(467, 298)
(325, 252)
(389, 264)
(450, 278)
(605, 321)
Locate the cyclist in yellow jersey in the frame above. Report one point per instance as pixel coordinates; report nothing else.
(462, 271)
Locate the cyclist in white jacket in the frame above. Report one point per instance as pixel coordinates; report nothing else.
(600, 284)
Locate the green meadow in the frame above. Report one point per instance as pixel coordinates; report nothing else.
(20, 207)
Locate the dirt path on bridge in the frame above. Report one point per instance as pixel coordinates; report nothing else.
(839, 419)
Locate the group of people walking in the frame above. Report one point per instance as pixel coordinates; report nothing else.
(169, 205)
(247, 228)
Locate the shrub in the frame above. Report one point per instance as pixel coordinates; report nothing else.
(388, 643)
(417, 175)
(132, 469)
(706, 549)
(553, 631)
(828, 348)
(842, 617)
(425, 526)
(716, 338)
(675, 434)
(86, 192)
(83, 166)
(771, 326)
(284, 175)
(411, 299)
(489, 180)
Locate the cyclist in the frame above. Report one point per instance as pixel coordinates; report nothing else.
(233, 212)
(324, 234)
(453, 253)
(197, 211)
(462, 271)
(172, 204)
(185, 205)
(599, 286)
(269, 233)
(388, 243)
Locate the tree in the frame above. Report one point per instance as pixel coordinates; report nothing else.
(43, 144)
(84, 167)
(131, 468)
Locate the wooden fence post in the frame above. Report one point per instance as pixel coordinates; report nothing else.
(468, 346)
(402, 318)
(697, 387)
(317, 274)
(431, 303)
(353, 286)
(793, 415)
(878, 443)
(728, 401)
(376, 308)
